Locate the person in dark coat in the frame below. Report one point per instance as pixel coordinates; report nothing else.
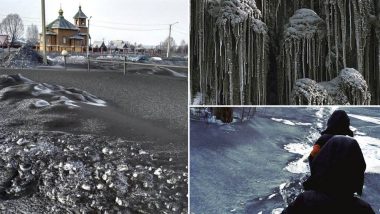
(337, 124)
(337, 176)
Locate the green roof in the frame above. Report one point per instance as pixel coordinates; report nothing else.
(61, 23)
(80, 14)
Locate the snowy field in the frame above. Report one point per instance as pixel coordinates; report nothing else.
(258, 166)
(65, 150)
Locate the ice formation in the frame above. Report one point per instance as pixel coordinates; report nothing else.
(302, 41)
(287, 41)
(348, 88)
(230, 71)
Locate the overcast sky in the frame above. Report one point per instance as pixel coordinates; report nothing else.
(140, 21)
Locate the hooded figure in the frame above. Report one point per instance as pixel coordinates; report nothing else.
(337, 173)
(337, 124)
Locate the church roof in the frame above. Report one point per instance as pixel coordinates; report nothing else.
(76, 37)
(61, 23)
(80, 14)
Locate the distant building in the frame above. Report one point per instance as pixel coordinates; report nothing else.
(99, 46)
(149, 50)
(118, 46)
(63, 35)
(3, 41)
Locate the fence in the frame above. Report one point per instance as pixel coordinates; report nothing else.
(125, 62)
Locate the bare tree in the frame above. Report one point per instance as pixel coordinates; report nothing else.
(13, 27)
(32, 34)
(164, 44)
(183, 47)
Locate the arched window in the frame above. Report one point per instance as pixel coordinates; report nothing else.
(64, 40)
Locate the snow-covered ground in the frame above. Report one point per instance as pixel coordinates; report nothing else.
(258, 165)
(64, 150)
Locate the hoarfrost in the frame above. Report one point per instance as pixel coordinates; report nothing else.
(348, 88)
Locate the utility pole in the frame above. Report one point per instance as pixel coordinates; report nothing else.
(170, 35)
(43, 32)
(88, 37)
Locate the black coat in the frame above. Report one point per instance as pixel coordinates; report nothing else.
(337, 172)
(313, 202)
(337, 124)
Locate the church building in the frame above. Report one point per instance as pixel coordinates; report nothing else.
(63, 35)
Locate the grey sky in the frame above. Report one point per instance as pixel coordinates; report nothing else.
(113, 19)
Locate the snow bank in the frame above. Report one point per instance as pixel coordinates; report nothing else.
(18, 87)
(374, 120)
(24, 57)
(371, 150)
(69, 59)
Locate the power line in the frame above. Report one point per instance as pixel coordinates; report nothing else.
(128, 29)
(181, 32)
(129, 24)
(98, 21)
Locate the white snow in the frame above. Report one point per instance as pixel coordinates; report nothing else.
(156, 58)
(371, 150)
(271, 196)
(290, 123)
(41, 103)
(197, 99)
(277, 211)
(298, 148)
(299, 166)
(282, 186)
(374, 120)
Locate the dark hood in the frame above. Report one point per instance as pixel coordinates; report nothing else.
(338, 124)
(338, 169)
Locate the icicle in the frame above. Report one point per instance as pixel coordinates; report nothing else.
(327, 8)
(358, 37)
(336, 39)
(350, 13)
(342, 10)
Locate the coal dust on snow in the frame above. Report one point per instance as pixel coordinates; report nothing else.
(56, 155)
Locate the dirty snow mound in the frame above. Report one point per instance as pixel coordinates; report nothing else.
(24, 57)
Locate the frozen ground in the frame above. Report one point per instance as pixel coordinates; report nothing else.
(64, 150)
(257, 166)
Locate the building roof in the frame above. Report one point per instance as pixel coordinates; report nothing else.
(76, 37)
(117, 44)
(98, 44)
(61, 23)
(50, 33)
(80, 14)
